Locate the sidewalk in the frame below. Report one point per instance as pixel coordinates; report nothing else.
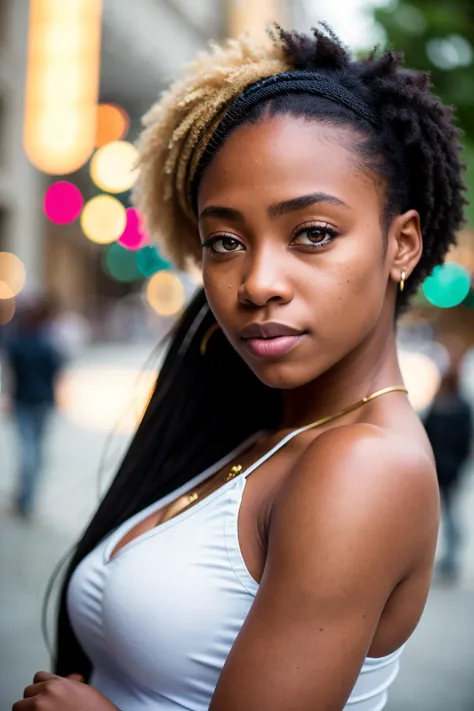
(437, 666)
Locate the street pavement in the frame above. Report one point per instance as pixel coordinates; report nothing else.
(437, 670)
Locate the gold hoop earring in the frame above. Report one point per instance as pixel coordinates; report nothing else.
(203, 346)
(403, 276)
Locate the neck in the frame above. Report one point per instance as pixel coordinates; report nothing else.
(373, 365)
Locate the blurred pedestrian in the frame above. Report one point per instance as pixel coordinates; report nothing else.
(449, 428)
(34, 363)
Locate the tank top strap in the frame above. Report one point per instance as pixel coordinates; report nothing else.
(275, 449)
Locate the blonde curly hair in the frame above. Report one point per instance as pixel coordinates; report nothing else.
(178, 129)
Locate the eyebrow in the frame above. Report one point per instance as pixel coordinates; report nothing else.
(224, 213)
(298, 203)
(276, 210)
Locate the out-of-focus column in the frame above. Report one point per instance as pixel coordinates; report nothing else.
(25, 225)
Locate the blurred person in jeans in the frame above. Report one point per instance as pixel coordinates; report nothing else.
(449, 428)
(34, 363)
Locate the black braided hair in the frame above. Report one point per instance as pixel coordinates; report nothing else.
(414, 144)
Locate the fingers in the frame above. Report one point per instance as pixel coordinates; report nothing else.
(75, 677)
(24, 705)
(44, 676)
(32, 690)
(39, 682)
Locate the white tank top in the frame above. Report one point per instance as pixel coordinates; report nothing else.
(159, 618)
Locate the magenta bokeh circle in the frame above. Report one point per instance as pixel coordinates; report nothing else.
(63, 202)
(134, 235)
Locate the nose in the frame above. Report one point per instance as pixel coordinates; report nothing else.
(266, 279)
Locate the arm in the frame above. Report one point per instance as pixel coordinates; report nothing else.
(345, 530)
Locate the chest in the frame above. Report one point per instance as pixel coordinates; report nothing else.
(171, 602)
(258, 494)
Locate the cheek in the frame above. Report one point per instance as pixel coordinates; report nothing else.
(220, 291)
(351, 289)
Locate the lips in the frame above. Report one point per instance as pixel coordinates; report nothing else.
(270, 329)
(270, 340)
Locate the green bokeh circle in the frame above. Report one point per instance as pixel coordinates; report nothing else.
(448, 286)
(121, 264)
(149, 261)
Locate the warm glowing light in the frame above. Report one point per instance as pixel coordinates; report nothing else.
(421, 377)
(134, 235)
(149, 261)
(113, 167)
(106, 398)
(254, 18)
(63, 202)
(112, 124)
(448, 286)
(165, 293)
(103, 219)
(195, 273)
(62, 83)
(121, 264)
(7, 309)
(12, 275)
(5, 292)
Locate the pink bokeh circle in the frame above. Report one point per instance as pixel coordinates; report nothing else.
(134, 236)
(63, 202)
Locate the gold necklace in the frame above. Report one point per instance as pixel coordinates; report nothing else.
(237, 469)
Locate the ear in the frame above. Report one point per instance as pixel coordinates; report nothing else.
(406, 244)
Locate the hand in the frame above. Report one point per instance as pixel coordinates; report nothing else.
(50, 692)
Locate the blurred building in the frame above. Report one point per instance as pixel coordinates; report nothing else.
(144, 45)
(20, 184)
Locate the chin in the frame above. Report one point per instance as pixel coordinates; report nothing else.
(282, 376)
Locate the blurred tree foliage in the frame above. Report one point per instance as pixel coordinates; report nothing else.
(438, 36)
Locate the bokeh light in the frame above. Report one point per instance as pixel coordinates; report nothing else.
(448, 286)
(62, 202)
(113, 123)
(103, 219)
(195, 273)
(121, 264)
(134, 235)
(165, 293)
(62, 83)
(12, 275)
(5, 291)
(105, 398)
(421, 377)
(113, 167)
(149, 261)
(7, 310)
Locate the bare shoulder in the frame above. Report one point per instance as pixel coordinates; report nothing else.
(356, 516)
(363, 487)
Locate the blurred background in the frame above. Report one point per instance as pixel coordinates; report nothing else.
(76, 264)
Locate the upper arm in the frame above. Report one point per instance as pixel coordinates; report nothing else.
(338, 542)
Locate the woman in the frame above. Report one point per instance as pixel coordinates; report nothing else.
(268, 541)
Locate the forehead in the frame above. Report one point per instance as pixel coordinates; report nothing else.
(285, 156)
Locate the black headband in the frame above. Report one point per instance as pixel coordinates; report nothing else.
(295, 81)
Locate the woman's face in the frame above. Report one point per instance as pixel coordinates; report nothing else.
(295, 269)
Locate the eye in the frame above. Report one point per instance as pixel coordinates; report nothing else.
(314, 236)
(223, 244)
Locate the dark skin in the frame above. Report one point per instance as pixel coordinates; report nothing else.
(350, 539)
(340, 526)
